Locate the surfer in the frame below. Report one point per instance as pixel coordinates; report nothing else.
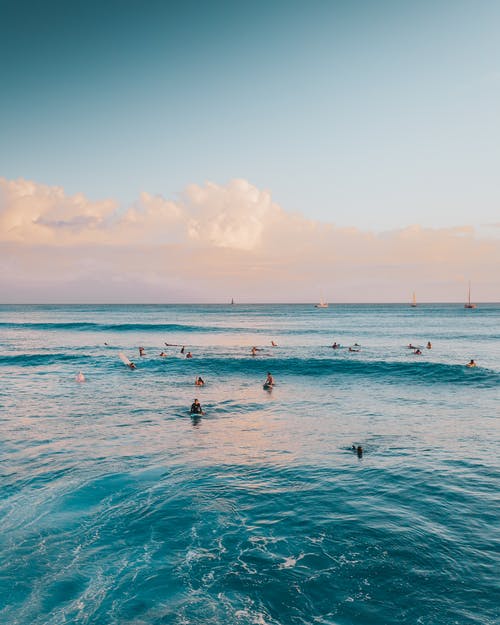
(335, 345)
(358, 450)
(254, 351)
(418, 352)
(141, 351)
(182, 350)
(196, 407)
(163, 355)
(80, 377)
(269, 380)
(429, 345)
(274, 344)
(126, 361)
(199, 381)
(471, 363)
(189, 355)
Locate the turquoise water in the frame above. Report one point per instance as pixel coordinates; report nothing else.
(118, 507)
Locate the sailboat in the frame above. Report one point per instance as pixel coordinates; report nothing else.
(469, 305)
(322, 304)
(414, 301)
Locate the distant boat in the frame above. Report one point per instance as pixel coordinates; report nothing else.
(469, 305)
(414, 301)
(322, 304)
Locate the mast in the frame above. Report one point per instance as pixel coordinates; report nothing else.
(469, 305)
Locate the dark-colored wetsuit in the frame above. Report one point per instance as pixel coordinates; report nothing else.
(195, 408)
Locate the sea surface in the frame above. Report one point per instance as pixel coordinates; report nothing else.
(118, 507)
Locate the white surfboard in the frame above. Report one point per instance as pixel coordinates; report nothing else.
(124, 359)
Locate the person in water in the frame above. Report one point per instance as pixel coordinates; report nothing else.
(80, 377)
(274, 344)
(163, 355)
(471, 363)
(269, 380)
(131, 365)
(358, 450)
(199, 381)
(196, 407)
(417, 352)
(429, 345)
(189, 355)
(253, 351)
(141, 351)
(182, 350)
(335, 345)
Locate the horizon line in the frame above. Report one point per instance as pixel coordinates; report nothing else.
(245, 303)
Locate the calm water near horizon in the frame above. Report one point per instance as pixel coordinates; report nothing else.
(118, 507)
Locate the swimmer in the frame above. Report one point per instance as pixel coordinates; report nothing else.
(141, 351)
(429, 345)
(196, 408)
(189, 355)
(182, 350)
(471, 363)
(410, 346)
(199, 381)
(163, 355)
(132, 366)
(253, 351)
(335, 345)
(417, 352)
(80, 377)
(274, 344)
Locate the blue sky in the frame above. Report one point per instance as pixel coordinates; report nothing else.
(369, 114)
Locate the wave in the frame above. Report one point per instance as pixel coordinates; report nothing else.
(385, 371)
(180, 328)
(35, 360)
(120, 327)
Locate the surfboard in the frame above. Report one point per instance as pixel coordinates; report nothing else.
(124, 359)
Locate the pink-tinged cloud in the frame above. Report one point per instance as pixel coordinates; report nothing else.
(216, 242)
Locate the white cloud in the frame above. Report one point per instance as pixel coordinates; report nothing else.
(218, 241)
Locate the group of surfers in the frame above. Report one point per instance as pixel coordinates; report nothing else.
(196, 408)
(253, 352)
(269, 382)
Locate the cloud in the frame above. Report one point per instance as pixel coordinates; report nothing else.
(31, 212)
(219, 241)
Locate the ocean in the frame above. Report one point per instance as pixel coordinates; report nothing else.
(119, 507)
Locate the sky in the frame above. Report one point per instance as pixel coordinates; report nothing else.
(267, 151)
